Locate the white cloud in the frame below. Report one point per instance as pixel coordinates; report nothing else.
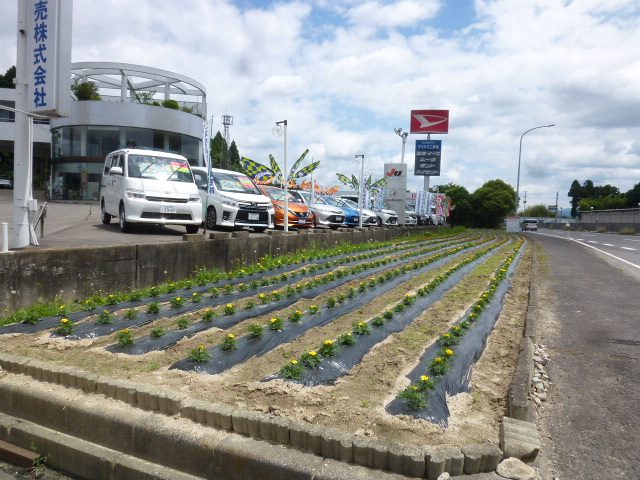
(345, 73)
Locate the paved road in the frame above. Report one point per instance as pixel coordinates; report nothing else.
(589, 317)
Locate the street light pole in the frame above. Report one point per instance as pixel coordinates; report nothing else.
(404, 136)
(360, 192)
(277, 131)
(519, 158)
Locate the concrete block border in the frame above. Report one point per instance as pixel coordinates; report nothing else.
(519, 435)
(328, 443)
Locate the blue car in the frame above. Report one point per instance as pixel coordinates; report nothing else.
(352, 216)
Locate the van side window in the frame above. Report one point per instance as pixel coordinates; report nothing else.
(107, 166)
(118, 161)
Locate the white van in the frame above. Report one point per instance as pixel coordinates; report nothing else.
(530, 224)
(233, 201)
(148, 186)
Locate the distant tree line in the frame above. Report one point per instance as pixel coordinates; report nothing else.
(6, 80)
(487, 207)
(601, 197)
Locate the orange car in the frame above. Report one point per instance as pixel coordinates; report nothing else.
(299, 214)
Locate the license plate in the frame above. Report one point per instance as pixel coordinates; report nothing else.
(254, 216)
(167, 209)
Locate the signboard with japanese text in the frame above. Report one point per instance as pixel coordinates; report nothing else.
(429, 121)
(49, 56)
(395, 190)
(428, 155)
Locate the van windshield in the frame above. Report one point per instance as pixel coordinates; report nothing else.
(159, 168)
(228, 182)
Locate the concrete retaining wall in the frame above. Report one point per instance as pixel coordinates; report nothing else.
(29, 276)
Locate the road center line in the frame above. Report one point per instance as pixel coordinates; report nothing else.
(628, 248)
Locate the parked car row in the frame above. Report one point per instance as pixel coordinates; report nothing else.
(153, 187)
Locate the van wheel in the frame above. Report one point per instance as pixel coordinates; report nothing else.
(106, 218)
(211, 218)
(259, 229)
(124, 225)
(192, 228)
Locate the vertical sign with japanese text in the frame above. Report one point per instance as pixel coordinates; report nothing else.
(428, 155)
(49, 56)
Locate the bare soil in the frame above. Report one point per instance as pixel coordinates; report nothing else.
(356, 402)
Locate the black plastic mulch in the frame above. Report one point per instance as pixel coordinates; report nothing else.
(467, 353)
(86, 332)
(247, 347)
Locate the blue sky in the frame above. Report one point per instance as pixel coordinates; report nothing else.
(345, 73)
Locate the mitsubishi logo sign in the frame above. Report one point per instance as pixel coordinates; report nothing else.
(429, 121)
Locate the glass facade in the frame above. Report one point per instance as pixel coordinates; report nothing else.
(78, 155)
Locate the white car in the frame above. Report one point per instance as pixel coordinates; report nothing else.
(6, 182)
(148, 186)
(233, 201)
(386, 216)
(410, 217)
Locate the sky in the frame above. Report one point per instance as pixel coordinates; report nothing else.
(346, 73)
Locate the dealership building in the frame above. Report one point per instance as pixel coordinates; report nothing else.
(139, 107)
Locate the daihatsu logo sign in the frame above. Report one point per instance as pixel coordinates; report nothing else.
(429, 121)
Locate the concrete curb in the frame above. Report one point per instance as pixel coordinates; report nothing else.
(519, 436)
(322, 442)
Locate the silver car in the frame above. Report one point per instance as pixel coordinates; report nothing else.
(323, 213)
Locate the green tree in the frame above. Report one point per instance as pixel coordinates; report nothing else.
(632, 197)
(86, 91)
(217, 149)
(576, 194)
(609, 202)
(6, 80)
(492, 203)
(462, 213)
(233, 158)
(538, 211)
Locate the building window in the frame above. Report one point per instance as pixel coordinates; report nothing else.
(101, 140)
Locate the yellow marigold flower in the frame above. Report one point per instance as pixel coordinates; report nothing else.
(275, 291)
(446, 335)
(231, 335)
(328, 342)
(456, 328)
(312, 353)
(298, 312)
(424, 378)
(274, 320)
(64, 320)
(201, 347)
(437, 360)
(448, 352)
(261, 295)
(230, 305)
(126, 330)
(61, 306)
(361, 324)
(178, 298)
(414, 387)
(195, 293)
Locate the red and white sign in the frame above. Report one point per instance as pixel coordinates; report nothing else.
(429, 121)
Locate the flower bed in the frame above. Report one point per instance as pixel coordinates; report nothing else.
(313, 328)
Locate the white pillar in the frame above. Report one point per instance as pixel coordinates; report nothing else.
(22, 144)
